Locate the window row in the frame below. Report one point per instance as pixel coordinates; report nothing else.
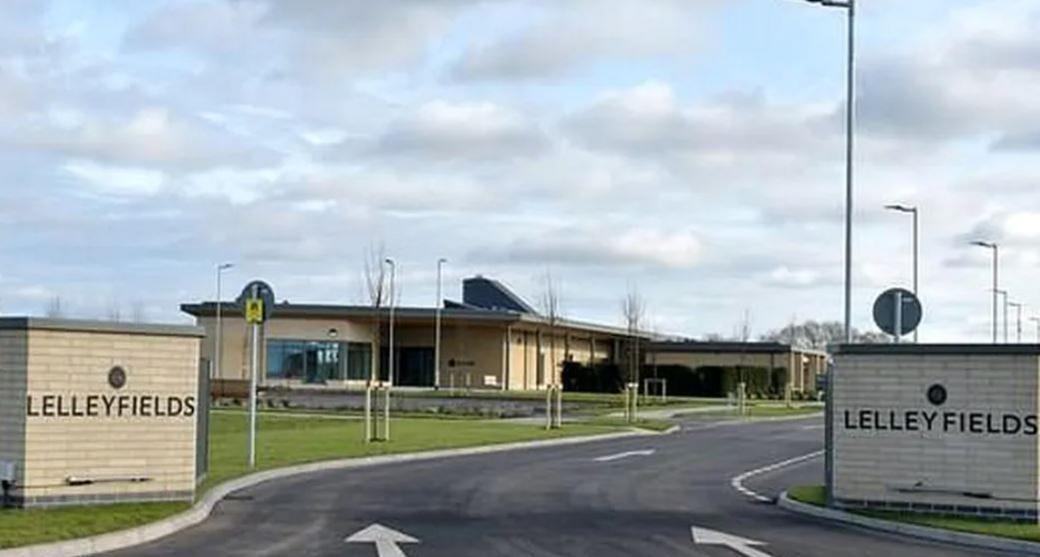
(318, 361)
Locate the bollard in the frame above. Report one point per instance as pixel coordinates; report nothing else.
(742, 398)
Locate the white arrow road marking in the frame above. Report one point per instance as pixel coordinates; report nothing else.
(738, 482)
(619, 456)
(743, 546)
(386, 540)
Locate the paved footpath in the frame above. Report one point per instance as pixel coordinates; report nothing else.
(621, 498)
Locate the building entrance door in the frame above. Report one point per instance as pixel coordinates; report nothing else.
(416, 367)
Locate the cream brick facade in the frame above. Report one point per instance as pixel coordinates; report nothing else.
(113, 449)
(479, 349)
(975, 453)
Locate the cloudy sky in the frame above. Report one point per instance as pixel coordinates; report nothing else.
(690, 147)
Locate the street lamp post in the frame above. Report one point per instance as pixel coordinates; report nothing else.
(218, 349)
(996, 278)
(912, 210)
(850, 111)
(437, 334)
(393, 302)
(1018, 321)
(1004, 293)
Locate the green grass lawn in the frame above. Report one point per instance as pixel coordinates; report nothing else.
(815, 495)
(760, 410)
(650, 424)
(769, 411)
(281, 441)
(611, 400)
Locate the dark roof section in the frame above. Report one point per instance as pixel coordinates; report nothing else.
(452, 304)
(493, 295)
(939, 349)
(724, 347)
(317, 311)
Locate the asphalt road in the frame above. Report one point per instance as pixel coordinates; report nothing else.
(550, 502)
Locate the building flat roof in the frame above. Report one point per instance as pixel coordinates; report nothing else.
(88, 326)
(451, 313)
(939, 349)
(727, 347)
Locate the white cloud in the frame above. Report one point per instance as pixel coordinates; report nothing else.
(572, 35)
(117, 180)
(599, 246)
(478, 130)
(648, 121)
(152, 136)
(787, 277)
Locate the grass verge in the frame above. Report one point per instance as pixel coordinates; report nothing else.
(758, 411)
(281, 441)
(648, 424)
(814, 495)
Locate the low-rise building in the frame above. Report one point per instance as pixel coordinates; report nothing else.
(768, 367)
(492, 339)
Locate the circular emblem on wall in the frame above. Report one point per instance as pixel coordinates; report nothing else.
(937, 394)
(117, 377)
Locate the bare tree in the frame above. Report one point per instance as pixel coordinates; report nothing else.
(815, 335)
(377, 283)
(743, 334)
(377, 288)
(115, 312)
(55, 309)
(550, 303)
(137, 311)
(633, 310)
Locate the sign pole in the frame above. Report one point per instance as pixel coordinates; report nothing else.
(898, 294)
(253, 365)
(256, 302)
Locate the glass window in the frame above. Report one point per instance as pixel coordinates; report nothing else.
(359, 361)
(309, 361)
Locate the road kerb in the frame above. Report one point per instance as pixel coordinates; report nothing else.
(201, 510)
(921, 532)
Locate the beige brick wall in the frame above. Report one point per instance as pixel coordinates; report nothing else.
(872, 465)
(12, 398)
(100, 447)
(235, 339)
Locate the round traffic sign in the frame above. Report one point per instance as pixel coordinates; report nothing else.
(260, 290)
(885, 311)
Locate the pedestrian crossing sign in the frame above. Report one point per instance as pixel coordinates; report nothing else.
(255, 310)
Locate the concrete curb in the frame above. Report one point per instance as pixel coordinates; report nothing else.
(202, 509)
(922, 532)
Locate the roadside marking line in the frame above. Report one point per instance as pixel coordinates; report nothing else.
(738, 481)
(812, 427)
(619, 456)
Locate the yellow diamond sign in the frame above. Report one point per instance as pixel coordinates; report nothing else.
(255, 310)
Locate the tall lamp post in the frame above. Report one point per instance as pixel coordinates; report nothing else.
(850, 111)
(913, 211)
(1004, 293)
(218, 349)
(1018, 321)
(437, 334)
(996, 278)
(393, 303)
